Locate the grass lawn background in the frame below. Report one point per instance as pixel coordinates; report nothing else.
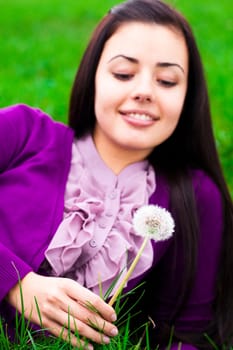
(41, 43)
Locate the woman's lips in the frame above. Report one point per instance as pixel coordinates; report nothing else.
(139, 118)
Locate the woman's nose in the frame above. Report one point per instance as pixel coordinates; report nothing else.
(144, 90)
(140, 97)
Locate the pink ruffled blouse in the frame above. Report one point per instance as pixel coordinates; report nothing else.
(96, 241)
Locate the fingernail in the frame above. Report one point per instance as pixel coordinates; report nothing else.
(114, 317)
(106, 340)
(86, 347)
(114, 331)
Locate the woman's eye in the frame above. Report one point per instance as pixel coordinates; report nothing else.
(166, 83)
(122, 76)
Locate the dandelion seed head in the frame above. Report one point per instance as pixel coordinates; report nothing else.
(154, 222)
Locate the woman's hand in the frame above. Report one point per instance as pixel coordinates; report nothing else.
(64, 304)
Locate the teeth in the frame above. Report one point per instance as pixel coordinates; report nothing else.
(140, 116)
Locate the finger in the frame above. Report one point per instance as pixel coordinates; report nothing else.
(74, 326)
(68, 336)
(93, 319)
(89, 315)
(87, 298)
(78, 318)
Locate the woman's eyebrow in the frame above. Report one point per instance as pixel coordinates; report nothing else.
(136, 61)
(128, 58)
(169, 64)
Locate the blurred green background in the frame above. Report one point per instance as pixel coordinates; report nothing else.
(41, 42)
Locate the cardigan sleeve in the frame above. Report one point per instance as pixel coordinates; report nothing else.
(9, 147)
(34, 163)
(18, 126)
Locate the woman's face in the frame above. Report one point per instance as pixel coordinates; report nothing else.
(140, 87)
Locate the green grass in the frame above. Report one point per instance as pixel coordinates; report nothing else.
(41, 45)
(42, 42)
(128, 339)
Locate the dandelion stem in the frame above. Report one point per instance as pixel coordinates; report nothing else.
(129, 272)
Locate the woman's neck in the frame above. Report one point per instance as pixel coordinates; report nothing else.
(116, 158)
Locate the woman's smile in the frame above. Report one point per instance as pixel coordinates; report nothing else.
(138, 118)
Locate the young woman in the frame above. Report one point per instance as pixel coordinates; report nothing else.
(139, 132)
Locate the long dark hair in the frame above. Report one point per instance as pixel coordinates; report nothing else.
(192, 145)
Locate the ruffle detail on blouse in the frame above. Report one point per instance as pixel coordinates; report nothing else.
(95, 241)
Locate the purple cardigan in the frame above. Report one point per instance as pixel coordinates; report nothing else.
(34, 165)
